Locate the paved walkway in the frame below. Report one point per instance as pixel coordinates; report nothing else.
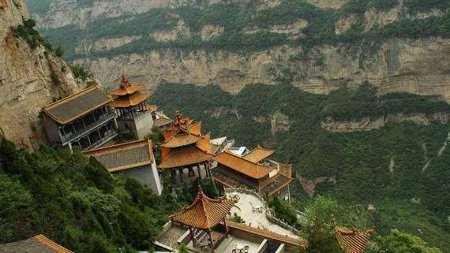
(244, 208)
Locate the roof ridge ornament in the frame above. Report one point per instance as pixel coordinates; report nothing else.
(124, 83)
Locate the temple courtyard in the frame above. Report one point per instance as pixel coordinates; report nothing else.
(253, 210)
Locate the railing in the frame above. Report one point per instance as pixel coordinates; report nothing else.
(69, 137)
(269, 215)
(110, 134)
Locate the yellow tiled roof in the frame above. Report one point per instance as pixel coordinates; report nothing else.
(258, 154)
(246, 167)
(205, 212)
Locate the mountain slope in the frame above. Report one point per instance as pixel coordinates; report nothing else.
(31, 76)
(400, 46)
(398, 167)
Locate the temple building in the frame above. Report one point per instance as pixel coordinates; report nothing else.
(254, 171)
(36, 244)
(133, 159)
(133, 114)
(204, 215)
(204, 227)
(83, 120)
(186, 152)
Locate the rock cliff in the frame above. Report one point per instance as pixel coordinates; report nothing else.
(400, 64)
(29, 78)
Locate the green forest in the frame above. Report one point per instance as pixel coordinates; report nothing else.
(234, 17)
(359, 160)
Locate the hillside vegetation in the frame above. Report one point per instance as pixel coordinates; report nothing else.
(237, 19)
(360, 160)
(77, 202)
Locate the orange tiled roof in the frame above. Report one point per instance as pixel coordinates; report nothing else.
(51, 244)
(205, 212)
(126, 88)
(124, 102)
(183, 156)
(77, 105)
(180, 140)
(241, 165)
(263, 233)
(353, 241)
(36, 244)
(258, 154)
(124, 156)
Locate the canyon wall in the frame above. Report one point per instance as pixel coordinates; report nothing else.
(29, 79)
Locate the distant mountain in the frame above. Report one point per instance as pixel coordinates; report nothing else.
(398, 45)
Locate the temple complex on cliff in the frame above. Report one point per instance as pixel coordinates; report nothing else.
(134, 116)
(255, 171)
(186, 152)
(82, 120)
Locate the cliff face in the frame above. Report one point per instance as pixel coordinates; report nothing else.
(28, 78)
(417, 66)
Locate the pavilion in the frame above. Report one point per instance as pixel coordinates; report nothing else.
(204, 215)
(185, 147)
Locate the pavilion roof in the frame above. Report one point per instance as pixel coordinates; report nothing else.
(126, 88)
(353, 241)
(124, 156)
(77, 105)
(36, 244)
(205, 212)
(183, 156)
(243, 166)
(132, 100)
(258, 154)
(180, 136)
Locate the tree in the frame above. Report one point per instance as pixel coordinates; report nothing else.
(399, 242)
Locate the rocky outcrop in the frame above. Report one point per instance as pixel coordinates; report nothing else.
(279, 123)
(309, 186)
(399, 65)
(181, 31)
(367, 124)
(29, 79)
(105, 44)
(293, 30)
(211, 31)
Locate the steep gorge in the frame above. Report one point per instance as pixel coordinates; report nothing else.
(29, 78)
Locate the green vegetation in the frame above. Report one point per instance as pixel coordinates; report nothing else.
(398, 242)
(236, 218)
(235, 18)
(359, 160)
(80, 72)
(75, 201)
(424, 6)
(28, 32)
(284, 211)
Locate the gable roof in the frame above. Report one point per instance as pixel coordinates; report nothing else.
(36, 244)
(243, 166)
(124, 156)
(77, 105)
(205, 212)
(258, 154)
